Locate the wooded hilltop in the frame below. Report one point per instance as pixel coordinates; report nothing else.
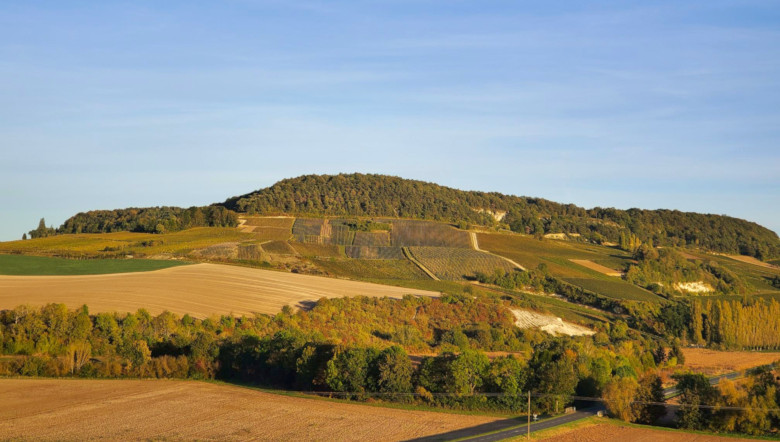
(381, 195)
(367, 195)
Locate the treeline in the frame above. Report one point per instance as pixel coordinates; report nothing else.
(748, 406)
(149, 220)
(380, 195)
(722, 323)
(296, 351)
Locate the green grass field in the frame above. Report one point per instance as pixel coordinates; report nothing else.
(40, 265)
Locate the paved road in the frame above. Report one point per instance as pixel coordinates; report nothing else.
(550, 423)
(507, 428)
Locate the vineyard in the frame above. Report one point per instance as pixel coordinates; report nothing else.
(304, 229)
(366, 252)
(372, 239)
(340, 234)
(458, 263)
(279, 248)
(614, 289)
(317, 250)
(379, 270)
(423, 233)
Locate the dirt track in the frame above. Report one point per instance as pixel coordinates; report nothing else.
(200, 290)
(46, 409)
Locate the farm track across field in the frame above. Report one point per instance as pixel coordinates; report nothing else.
(200, 290)
(46, 409)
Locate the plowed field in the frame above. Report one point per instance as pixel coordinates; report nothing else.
(200, 290)
(179, 410)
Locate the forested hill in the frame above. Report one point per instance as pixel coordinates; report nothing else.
(381, 195)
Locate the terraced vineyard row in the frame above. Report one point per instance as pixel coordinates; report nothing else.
(458, 263)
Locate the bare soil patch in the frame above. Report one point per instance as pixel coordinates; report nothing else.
(200, 290)
(714, 362)
(597, 267)
(617, 433)
(45, 409)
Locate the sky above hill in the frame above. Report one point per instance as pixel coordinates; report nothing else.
(627, 104)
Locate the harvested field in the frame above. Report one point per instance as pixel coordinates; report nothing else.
(200, 290)
(597, 267)
(606, 432)
(185, 410)
(549, 324)
(457, 263)
(714, 362)
(425, 233)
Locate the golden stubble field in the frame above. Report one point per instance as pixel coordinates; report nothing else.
(714, 362)
(200, 290)
(47, 409)
(617, 433)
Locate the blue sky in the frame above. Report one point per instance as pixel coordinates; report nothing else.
(626, 104)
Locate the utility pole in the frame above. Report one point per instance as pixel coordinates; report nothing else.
(528, 434)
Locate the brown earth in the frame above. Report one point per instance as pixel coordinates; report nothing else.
(713, 362)
(48, 409)
(200, 290)
(617, 433)
(597, 267)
